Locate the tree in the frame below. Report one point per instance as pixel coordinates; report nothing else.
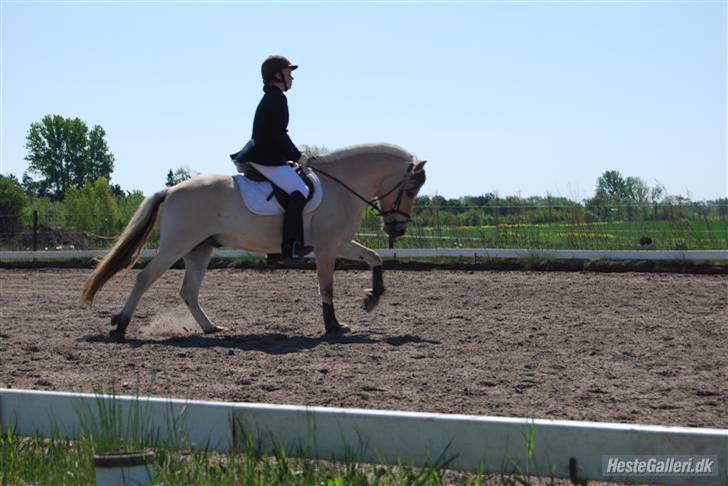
(637, 190)
(35, 188)
(99, 157)
(12, 202)
(611, 191)
(180, 174)
(117, 191)
(65, 154)
(611, 187)
(314, 150)
(658, 193)
(93, 208)
(127, 207)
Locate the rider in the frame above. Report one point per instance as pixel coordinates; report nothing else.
(271, 148)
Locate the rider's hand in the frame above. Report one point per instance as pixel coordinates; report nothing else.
(303, 160)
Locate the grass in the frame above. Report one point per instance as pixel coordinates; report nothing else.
(58, 461)
(616, 235)
(109, 426)
(695, 233)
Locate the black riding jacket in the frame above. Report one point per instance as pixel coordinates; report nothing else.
(270, 144)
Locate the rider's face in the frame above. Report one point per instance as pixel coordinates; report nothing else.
(288, 78)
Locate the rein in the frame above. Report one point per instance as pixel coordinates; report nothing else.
(370, 202)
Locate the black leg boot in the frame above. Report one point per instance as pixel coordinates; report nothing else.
(332, 325)
(292, 247)
(372, 295)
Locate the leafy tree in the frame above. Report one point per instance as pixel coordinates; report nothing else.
(438, 201)
(65, 154)
(485, 199)
(99, 159)
(637, 190)
(50, 213)
(117, 191)
(128, 205)
(12, 178)
(314, 150)
(12, 202)
(611, 187)
(79, 211)
(35, 188)
(657, 193)
(93, 208)
(180, 174)
(472, 217)
(108, 212)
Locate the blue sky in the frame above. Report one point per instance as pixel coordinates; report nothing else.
(513, 97)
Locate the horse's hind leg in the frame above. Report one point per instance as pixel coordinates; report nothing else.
(195, 266)
(357, 252)
(154, 269)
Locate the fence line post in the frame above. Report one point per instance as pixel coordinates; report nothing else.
(497, 243)
(35, 230)
(548, 199)
(436, 229)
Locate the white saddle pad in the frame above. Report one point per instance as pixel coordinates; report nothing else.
(255, 195)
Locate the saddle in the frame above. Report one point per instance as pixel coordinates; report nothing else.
(281, 196)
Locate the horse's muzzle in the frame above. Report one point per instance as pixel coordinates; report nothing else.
(395, 229)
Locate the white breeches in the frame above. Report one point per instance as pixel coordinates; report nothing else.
(284, 177)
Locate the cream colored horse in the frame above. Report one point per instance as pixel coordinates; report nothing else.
(207, 211)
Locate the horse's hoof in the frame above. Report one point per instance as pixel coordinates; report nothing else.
(117, 335)
(370, 301)
(339, 330)
(216, 329)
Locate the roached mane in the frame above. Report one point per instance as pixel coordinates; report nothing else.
(381, 148)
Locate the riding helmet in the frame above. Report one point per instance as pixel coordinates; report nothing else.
(273, 65)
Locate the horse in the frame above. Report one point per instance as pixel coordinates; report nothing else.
(207, 211)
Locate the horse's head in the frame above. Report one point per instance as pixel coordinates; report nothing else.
(396, 204)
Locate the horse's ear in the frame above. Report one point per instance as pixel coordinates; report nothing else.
(419, 166)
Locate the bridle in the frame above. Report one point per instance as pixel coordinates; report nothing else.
(372, 202)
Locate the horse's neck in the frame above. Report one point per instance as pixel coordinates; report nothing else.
(367, 177)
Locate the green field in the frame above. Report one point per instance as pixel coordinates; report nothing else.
(616, 235)
(693, 227)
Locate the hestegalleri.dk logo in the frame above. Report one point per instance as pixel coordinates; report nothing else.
(643, 465)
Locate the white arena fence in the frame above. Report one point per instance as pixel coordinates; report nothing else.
(550, 448)
(475, 253)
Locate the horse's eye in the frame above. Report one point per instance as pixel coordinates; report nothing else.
(410, 193)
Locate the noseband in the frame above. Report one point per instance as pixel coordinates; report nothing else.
(372, 202)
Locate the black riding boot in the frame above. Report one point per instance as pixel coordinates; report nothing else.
(292, 246)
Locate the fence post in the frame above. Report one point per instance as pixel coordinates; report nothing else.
(496, 223)
(35, 230)
(436, 229)
(548, 199)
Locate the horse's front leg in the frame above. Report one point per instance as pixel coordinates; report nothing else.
(358, 252)
(325, 269)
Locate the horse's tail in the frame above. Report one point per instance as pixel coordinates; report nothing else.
(127, 249)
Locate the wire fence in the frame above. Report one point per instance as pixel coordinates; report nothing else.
(694, 226)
